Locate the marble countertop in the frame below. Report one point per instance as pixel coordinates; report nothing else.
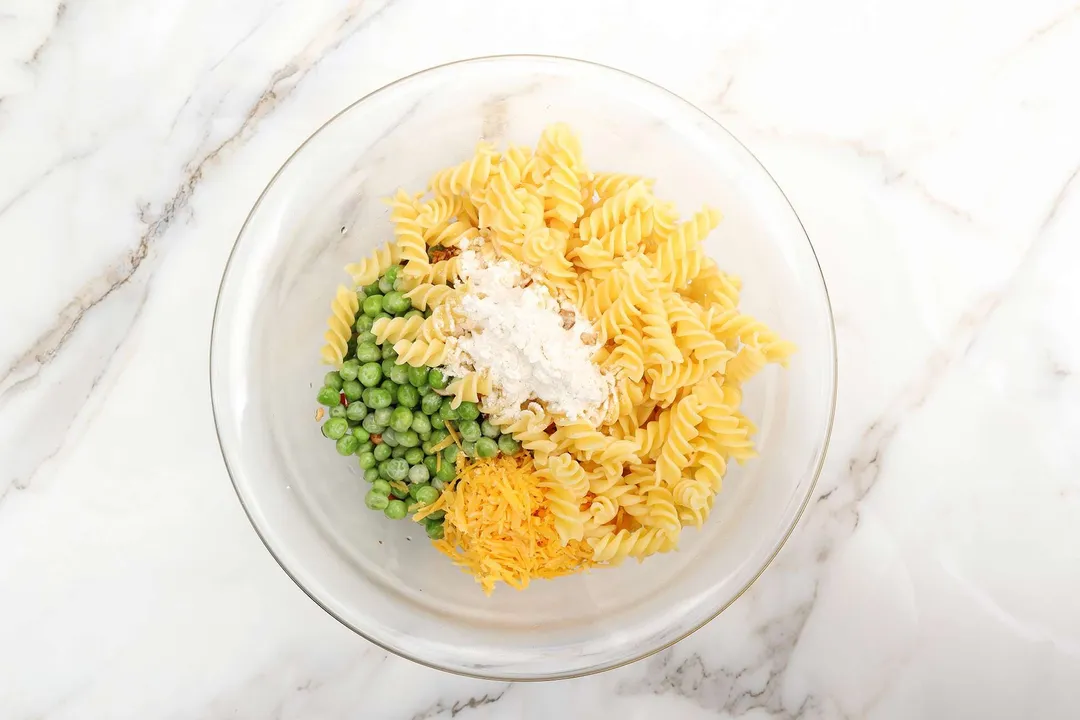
(933, 153)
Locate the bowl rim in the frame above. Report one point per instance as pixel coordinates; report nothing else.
(831, 345)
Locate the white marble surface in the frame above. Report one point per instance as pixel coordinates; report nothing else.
(932, 150)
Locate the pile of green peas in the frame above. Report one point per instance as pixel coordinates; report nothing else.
(390, 416)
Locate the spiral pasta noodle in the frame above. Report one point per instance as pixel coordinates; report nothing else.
(468, 388)
(369, 269)
(427, 295)
(343, 309)
(394, 329)
(419, 353)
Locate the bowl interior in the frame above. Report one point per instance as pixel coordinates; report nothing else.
(324, 210)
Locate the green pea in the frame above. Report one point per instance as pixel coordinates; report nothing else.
(434, 530)
(401, 419)
(356, 411)
(418, 474)
(390, 386)
(392, 273)
(348, 370)
(400, 374)
(425, 390)
(489, 430)
(387, 366)
(367, 337)
(371, 475)
(370, 424)
(414, 456)
(486, 448)
(336, 428)
(436, 378)
(432, 464)
(360, 294)
(396, 303)
(424, 436)
(333, 379)
(436, 516)
(352, 389)
(388, 352)
(397, 468)
(383, 415)
(420, 423)
(409, 439)
(446, 412)
(379, 399)
(381, 452)
(338, 411)
(399, 452)
(414, 313)
(426, 495)
(407, 396)
(382, 315)
(450, 453)
(364, 323)
(365, 447)
(323, 429)
(385, 285)
(372, 289)
(469, 430)
(438, 484)
(430, 404)
(446, 473)
(469, 448)
(373, 305)
(390, 437)
(369, 374)
(328, 396)
(361, 434)
(437, 436)
(395, 510)
(468, 411)
(399, 491)
(384, 467)
(376, 501)
(368, 352)
(347, 445)
(367, 460)
(382, 487)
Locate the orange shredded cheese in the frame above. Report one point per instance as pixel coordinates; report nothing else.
(443, 444)
(498, 528)
(450, 429)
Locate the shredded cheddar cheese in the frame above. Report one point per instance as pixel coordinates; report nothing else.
(454, 435)
(498, 525)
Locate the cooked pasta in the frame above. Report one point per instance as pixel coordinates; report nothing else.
(468, 389)
(342, 314)
(426, 295)
(369, 269)
(393, 329)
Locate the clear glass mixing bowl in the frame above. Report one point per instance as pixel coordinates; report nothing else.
(382, 578)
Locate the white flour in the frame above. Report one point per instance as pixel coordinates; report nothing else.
(517, 335)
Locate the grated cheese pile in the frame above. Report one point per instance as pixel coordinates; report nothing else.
(499, 527)
(531, 346)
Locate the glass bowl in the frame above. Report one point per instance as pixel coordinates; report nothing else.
(382, 578)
